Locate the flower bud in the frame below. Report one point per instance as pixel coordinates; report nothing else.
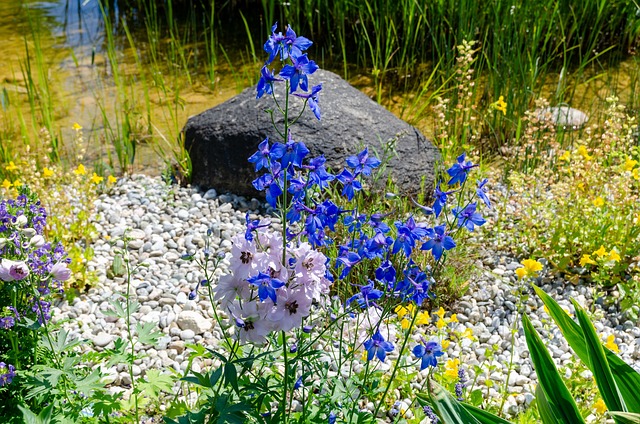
(3, 242)
(60, 271)
(37, 241)
(21, 221)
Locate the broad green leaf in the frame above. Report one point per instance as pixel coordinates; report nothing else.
(599, 365)
(483, 416)
(625, 417)
(448, 408)
(29, 417)
(557, 394)
(148, 333)
(544, 409)
(627, 379)
(231, 376)
(156, 382)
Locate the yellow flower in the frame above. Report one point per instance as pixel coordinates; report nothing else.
(445, 344)
(11, 167)
(423, 318)
(600, 252)
(566, 156)
(6, 184)
(96, 179)
(630, 164)
(581, 186)
(451, 368)
(80, 170)
(468, 333)
(584, 152)
(586, 259)
(440, 324)
(76, 126)
(530, 268)
(17, 183)
(614, 256)
(401, 310)
(47, 173)
(405, 323)
(440, 312)
(635, 174)
(501, 105)
(111, 179)
(598, 201)
(454, 318)
(611, 344)
(600, 406)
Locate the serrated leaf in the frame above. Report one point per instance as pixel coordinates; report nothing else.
(147, 333)
(448, 408)
(557, 394)
(156, 382)
(89, 384)
(28, 416)
(627, 379)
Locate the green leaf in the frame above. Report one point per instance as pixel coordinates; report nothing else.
(231, 376)
(90, 383)
(29, 417)
(557, 394)
(627, 379)
(599, 365)
(625, 417)
(147, 333)
(118, 265)
(483, 416)
(156, 382)
(447, 407)
(544, 409)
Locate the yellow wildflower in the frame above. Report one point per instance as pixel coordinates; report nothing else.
(11, 167)
(600, 252)
(451, 368)
(47, 173)
(611, 344)
(445, 344)
(566, 156)
(454, 318)
(630, 164)
(6, 184)
(96, 179)
(530, 268)
(584, 153)
(468, 333)
(598, 201)
(423, 318)
(600, 406)
(586, 259)
(440, 312)
(405, 323)
(111, 179)
(17, 183)
(80, 170)
(501, 105)
(635, 174)
(581, 186)
(76, 126)
(401, 310)
(614, 256)
(440, 324)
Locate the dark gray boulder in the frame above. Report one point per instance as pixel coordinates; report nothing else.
(221, 139)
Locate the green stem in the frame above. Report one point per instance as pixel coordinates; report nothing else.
(130, 336)
(283, 407)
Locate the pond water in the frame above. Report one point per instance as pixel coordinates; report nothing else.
(63, 66)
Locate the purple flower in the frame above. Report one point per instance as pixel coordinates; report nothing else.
(262, 157)
(440, 200)
(285, 45)
(293, 152)
(318, 175)
(468, 217)
(60, 271)
(366, 296)
(481, 191)
(265, 84)
(439, 242)
(348, 260)
(459, 171)
(386, 272)
(13, 270)
(428, 352)
(350, 183)
(271, 183)
(297, 73)
(7, 373)
(252, 225)
(378, 347)
(362, 163)
(332, 418)
(312, 99)
(266, 286)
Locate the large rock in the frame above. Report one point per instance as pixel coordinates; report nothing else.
(563, 116)
(221, 139)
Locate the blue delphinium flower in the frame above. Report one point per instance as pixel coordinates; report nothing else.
(271, 183)
(468, 217)
(332, 418)
(362, 163)
(481, 191)
(366, 296)
(407, 236)
(285, 45)
(318, 175)
(266, 286)
(262, 157)
(439, 242)
(350, 183)
(386, 272)
(378, 347)
(298, 383)
(429, 353)
(312, 99)
(347, 259)
(252, 225)
(440, 200)
(297, 73)
(293, 152)
(459, 171)
(265, 83)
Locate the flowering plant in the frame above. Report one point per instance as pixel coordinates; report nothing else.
(328, 280)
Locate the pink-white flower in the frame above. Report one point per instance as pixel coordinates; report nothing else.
(250, 323)
(13, 270)
(293, 305)
(229, 287)
(60, 271)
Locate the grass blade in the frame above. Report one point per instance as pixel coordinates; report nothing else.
(627, 379)
(599, 365)
(544, 409)
(448, 408)
(483, 416)
(625, 417)
(557, 394)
